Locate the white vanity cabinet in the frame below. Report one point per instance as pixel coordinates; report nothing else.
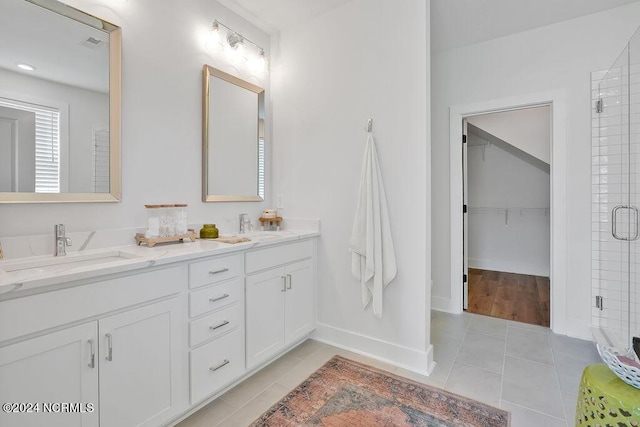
(137, 365)
(57, 367)
(216, 328)
(280, 303)
(145, 347)
(129, 365)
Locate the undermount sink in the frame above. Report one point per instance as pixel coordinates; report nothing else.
(263, 236)
(259, 236)
(53, 264)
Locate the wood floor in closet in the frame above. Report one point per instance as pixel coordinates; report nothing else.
(511, 296)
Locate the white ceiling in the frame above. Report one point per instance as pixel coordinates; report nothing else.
(275, 15)
(54, 44)
(454, 23)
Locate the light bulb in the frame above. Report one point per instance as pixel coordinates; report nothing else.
(25, 67)
(236, 47)
(259, 63)
(214, 39)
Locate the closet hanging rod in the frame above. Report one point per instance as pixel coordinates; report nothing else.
(501, 210)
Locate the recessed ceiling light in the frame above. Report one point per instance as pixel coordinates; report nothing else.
(26, 67)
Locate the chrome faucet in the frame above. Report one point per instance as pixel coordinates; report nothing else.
(61, 241)
(244, 221)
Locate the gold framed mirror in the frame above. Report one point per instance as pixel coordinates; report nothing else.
(60, 89)
(233, 155)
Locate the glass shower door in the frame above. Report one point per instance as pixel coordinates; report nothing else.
(615, 216)
(631, 123)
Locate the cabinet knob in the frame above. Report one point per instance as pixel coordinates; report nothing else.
(284, 283)
(222, 270)
(288, 281)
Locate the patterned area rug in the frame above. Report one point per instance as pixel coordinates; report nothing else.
(344, 393)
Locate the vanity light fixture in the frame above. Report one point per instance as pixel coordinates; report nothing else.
(259, 63)
(25, 67)
(236, 46)
(215, 38)
(236, 43)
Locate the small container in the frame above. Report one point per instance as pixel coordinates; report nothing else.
(269, 213)
(153, 221)
(209, 231)
(166, 220)
(180, 212)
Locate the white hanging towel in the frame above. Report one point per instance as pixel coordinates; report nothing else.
(373, 258)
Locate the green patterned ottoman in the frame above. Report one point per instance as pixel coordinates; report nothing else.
(604, 400)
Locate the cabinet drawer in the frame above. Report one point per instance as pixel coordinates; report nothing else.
(209, 299)
(73, 304)
(216, 364)
(215, 324)
(214, 270)
(270, 257)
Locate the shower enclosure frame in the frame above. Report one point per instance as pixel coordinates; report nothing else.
(615, 142)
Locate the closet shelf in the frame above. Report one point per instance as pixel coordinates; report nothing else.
(511, 210)
(506, 212)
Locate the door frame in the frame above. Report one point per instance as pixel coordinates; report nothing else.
(558, 270)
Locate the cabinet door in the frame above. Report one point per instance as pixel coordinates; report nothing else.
(299, 301)
(53, 368)
(139, 361)
(265, 315)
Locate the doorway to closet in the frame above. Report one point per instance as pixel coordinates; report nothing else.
(507, 217)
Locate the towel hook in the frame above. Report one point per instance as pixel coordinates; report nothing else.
(369, 126)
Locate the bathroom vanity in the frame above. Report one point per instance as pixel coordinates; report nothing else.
(151, 334)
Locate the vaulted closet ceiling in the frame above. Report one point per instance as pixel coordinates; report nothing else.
(526, 129)
(488, 140)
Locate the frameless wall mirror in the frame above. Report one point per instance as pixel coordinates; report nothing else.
(59, 104)
(232, 138)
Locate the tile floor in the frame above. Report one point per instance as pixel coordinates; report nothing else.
(521, 368)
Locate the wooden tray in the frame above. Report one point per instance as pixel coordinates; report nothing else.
(270, 221)
(152, 241)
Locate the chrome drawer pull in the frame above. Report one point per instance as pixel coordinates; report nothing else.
(92, 363)
(110, 344)
(219, 298)
(222, 270)
(224, 323)
(222, 365)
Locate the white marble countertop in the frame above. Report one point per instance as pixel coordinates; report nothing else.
(28, 279)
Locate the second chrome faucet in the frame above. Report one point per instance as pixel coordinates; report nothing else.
(245, 223)
(61, 241)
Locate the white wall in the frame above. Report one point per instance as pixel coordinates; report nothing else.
(329, 76)
(556, 58)
(162, 57)
(509, 223)
(86, 109)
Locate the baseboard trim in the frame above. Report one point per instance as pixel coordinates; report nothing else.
(573, 329)
(510, 267)
(411, 359)
(441, 304)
